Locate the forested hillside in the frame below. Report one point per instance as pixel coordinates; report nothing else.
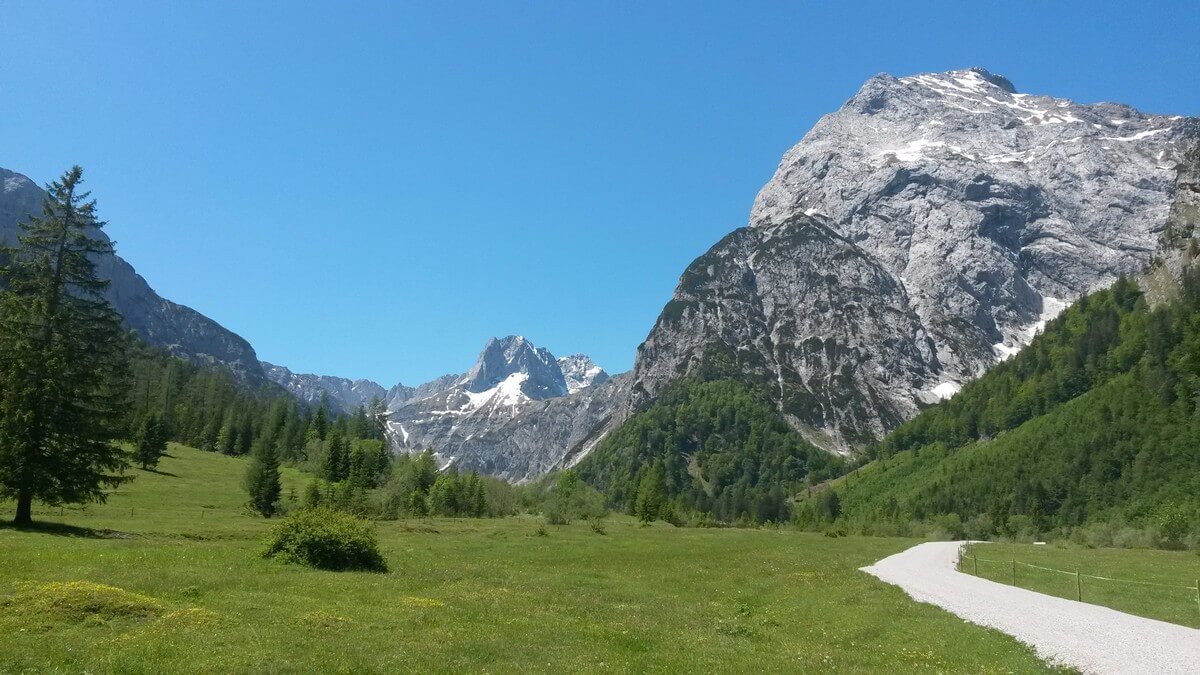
(715, 449)
(1098, 420)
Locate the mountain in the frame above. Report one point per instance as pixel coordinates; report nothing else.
(580, 372)
(400, 394)
(180, 330)
(910, 241)
(342, 394)
(513, 414)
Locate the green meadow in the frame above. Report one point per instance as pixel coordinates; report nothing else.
(167, 576)
(1146, 582)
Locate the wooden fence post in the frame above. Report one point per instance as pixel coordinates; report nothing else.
(975, 561)
(1014, 562)
(1078, 586)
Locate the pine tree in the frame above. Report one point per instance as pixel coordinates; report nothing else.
(424, 472)
(320, 420)
(651, 495)
(62, 358)
(476, 497)
(262, 479)
(337, 459)
(151, 442)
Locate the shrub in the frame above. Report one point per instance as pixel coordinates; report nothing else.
(326, 539)
(573, 499)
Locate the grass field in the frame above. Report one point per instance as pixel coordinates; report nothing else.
(1164, 575)
(178, 585)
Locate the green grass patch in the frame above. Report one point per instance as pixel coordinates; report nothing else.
(461, 595)
(1153, 582)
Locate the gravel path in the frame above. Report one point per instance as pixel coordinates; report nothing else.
(1091, 638)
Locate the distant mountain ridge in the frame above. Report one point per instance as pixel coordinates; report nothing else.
(513, 414)
(180, 330)
(342, 394)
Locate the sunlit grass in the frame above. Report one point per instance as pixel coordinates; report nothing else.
(461, 595)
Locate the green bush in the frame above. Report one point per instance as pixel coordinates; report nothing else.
(326, 539)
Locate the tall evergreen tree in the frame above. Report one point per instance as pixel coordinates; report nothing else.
(151, 442)
(337, 459)
(262, 479)
(321, 419)
(62, 358)
(651, 495)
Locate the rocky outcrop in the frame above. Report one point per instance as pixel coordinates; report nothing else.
(341, 394)
(911, 240)
(178, 329)
(580, 372)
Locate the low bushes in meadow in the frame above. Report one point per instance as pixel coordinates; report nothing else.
(326, 539)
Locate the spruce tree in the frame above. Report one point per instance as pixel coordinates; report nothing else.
(651, 495)
(337, 459)
(262, 479)
(151, 442)
(62, 358)
(321, 420)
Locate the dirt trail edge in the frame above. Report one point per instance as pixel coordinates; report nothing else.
(1091, 638)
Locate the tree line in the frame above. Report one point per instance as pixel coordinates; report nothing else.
(1096, 422)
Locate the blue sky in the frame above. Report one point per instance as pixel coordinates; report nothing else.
(374, 189)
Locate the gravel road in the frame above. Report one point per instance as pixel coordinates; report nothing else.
(1091, 638)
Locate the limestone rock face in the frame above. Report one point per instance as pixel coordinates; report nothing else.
(911, 240)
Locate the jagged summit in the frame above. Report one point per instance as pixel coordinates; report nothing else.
(342, 394)
(512, 357)
(515, 413)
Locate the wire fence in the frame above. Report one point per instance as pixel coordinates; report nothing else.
(975, 560)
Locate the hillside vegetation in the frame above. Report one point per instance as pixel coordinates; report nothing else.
(168, 576)
(715, 449)
(1097, 421)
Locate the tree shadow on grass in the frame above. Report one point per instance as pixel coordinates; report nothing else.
(161, 473)
(63, 530)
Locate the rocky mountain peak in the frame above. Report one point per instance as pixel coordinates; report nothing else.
(956, 216)
(581, 372)
(503, 358)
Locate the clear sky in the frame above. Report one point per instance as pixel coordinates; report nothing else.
(374, 189)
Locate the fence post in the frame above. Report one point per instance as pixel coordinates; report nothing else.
(1014, 562)
(1078, 586)
(975, 561)
(1198, 593)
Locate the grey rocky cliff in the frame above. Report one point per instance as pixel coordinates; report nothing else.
(511, 415)
(912, 239)
(342, 394)
(178, 329)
